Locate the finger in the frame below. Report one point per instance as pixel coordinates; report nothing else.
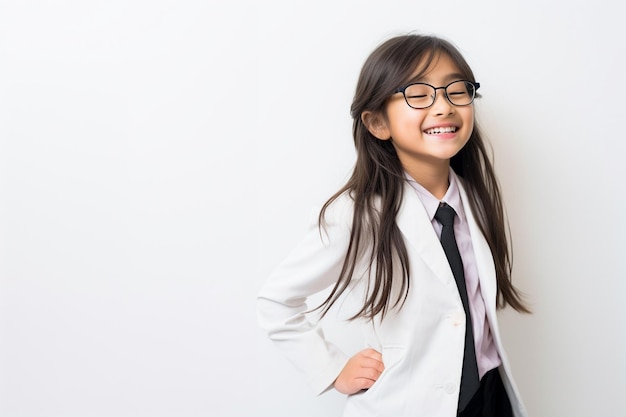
(372, 354)
(370, 373)
(373, 363)
(366, 383)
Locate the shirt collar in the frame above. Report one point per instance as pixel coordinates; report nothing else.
(431, 203)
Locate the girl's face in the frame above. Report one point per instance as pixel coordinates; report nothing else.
(426, 139)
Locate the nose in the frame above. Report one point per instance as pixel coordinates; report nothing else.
(442, 105)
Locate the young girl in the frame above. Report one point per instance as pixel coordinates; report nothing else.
(427, 287)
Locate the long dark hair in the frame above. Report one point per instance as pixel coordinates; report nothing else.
(377, 182)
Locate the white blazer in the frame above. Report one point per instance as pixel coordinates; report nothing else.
(421, 344)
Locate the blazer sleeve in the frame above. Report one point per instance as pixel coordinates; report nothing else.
(312, 266)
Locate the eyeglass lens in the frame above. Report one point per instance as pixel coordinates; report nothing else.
(459, 93)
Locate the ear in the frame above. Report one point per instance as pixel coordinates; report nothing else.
(376, 124)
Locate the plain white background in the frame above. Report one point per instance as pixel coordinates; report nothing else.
(159, 158)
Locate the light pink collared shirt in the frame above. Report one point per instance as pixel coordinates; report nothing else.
(486, 354)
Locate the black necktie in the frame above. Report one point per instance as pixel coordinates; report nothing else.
(469, 377)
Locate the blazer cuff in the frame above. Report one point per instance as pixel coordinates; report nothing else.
(325, 380)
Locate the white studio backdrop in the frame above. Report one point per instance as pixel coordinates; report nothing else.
(158, 159)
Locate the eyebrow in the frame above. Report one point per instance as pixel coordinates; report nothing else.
(449, 78)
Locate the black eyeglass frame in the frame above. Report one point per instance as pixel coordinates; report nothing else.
(445, 93)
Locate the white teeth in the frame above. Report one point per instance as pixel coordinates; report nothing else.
(439, 130)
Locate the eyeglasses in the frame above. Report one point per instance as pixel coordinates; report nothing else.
(422, 95)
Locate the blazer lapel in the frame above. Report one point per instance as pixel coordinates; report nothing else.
(418, 231)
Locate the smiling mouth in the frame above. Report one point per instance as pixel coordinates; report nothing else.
(440, 130)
